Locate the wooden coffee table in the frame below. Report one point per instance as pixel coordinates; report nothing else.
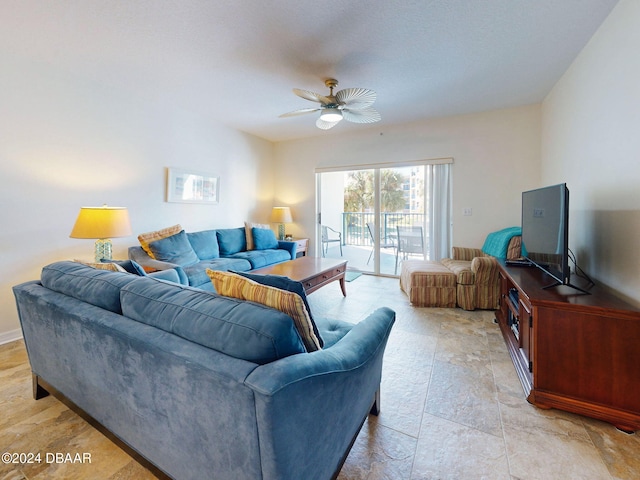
(312, 272)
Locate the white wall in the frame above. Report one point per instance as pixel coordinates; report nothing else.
(66, 143)
(496, 156)
(591, 140)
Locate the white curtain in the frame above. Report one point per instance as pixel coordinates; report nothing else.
(439, 201)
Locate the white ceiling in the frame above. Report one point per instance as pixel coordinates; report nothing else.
(238, 60)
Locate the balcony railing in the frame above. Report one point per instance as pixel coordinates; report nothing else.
(355, 232)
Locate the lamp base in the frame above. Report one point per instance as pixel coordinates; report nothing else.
(103, 250)
(281, 231)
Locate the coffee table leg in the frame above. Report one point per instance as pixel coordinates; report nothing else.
(343, 286)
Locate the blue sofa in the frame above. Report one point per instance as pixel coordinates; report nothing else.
(197, 384)
(190, 254)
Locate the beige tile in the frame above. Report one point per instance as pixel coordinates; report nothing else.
(379, 453)
(410, 351)
(620, 451)
(403, 395)
(505, 376)
(467, 351)
(448, 450)
(458, 394)
(543, 444)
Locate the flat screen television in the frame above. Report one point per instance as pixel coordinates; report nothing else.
(545, 231)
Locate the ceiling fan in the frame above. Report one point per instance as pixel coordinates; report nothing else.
(352, 104)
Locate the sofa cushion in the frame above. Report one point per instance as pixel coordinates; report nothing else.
(235, 286)
(205, 244)
(231, 240)
(248, 230)
(263, 258)
(332, 330)
(97, 287)
(285, 283)
(461, 269)
(241, 329)
(197, 274)
(146, 238)
(174, 249)
(264, 238)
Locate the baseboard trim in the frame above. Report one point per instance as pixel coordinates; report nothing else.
(10, 336)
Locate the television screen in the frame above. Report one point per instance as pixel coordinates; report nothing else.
(545, 230)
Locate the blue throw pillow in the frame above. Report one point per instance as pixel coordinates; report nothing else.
(264, 238)
(284, 283)
(231, 240)
(205, 244)
(130, 266)
(174, 249)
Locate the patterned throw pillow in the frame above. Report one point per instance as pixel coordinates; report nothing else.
(146, 238)
(109, 266)
(284, 283)
(248, 228)
(233, 285)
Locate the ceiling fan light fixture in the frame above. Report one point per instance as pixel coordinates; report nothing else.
(331, 115)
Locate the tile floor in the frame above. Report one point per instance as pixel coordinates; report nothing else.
(452, 408)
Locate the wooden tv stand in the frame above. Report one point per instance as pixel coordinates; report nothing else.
(574, 352)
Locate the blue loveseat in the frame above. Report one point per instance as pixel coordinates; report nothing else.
(197, 384)
(190, 254)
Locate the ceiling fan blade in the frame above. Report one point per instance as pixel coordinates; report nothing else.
(367, 115)
(356, 98)
(314, 97)
(302, 111)
(324, 125)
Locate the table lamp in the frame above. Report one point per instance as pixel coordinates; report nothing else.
(281, 215)
(102, 223)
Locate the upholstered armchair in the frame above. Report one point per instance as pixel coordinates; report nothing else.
(476, 270)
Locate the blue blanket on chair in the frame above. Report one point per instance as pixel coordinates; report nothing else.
(497, 243)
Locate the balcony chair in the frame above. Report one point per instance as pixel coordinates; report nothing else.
(326, 240)
(385, 242)
(410, 242)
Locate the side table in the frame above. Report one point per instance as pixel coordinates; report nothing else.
(301, 247)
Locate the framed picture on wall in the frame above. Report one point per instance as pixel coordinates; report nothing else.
(188, 186)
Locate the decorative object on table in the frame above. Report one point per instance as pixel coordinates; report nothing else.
(281, 215)
(352, 104)
(102, 224)
(187, 186)
(288, 237)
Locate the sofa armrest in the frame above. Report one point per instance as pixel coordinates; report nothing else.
(485, 269)
(291, 247)
(464, 253)
(138, 255)
(304, 399)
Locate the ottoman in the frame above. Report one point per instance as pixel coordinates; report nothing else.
(428, 283)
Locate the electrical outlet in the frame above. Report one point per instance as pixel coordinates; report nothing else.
(467, 211)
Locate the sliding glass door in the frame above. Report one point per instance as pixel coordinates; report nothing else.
(380, 216)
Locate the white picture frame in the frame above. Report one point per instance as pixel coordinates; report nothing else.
(189, 186)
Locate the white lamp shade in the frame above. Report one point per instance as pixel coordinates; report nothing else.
(281, 215)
